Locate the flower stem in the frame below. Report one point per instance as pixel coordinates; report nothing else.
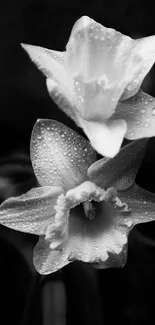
(29, 299)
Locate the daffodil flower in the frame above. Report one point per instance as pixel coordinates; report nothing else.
(97, 80)
(83, 209)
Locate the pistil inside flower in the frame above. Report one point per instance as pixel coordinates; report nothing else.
(89, 209)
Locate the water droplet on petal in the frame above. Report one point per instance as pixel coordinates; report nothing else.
(142, 110)
(128, 222)
(153, 111)
(60, 156)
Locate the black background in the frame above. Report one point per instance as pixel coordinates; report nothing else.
(122, 296)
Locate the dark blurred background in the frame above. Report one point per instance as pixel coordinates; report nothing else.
(123, 296)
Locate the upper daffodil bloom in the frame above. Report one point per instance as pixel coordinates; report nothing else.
(84, 208)
(97, 80)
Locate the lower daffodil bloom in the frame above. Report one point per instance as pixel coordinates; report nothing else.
(96, 81)
(84, 208)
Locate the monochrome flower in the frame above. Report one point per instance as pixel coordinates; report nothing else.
(97, 80)
(83, 209)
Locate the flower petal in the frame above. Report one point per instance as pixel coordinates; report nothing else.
(120, 171)
(114, 260)
(57, 231)
(51, 63)
(30, 212)
(141, 203)
(113, 131)
(92, 50)
(60, 157)
(99, 67)
(97, 59)
(87, 239)
(100, 241)
(98, 94)
(139, 114)
(92, 240)
(106, 139)
(47, 260)
(63, 101)
(51, 253)
(105, 64)
(143, 58)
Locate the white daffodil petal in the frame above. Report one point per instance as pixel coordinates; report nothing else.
(52, 251)
(47, 260)
(48, 61)
(61, 99)
(97, 59)
(60, 157)
(85, 191)
(30, 212)
(94, 50)
(92, 97)
(106, 139)
(99, 68)
(114, 260)
(141, 203)
(142, 60)
(100, 241)
(96, 233)
(51, 63)
(92, 240)
(57, 231)
(139, 114)
(119, 172)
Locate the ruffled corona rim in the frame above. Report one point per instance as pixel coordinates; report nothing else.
(84, 209)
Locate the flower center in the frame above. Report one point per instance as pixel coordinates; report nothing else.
(89, 209)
